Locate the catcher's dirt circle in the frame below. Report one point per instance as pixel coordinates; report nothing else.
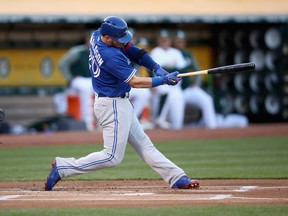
(154, 193)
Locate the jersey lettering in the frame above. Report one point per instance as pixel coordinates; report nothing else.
(95, 59)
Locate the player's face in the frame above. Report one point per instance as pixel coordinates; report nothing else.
(180, 43)
(117, 44)
(165, 43)
(111, 42)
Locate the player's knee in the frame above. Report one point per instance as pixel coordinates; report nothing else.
(115, 161)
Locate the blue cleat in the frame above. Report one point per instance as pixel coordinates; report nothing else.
(52, 178)
(186, 183)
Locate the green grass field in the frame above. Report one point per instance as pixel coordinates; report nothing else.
(265, 158)
(183, 211)
(204, 159)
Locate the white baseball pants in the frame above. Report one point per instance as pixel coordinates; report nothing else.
(120, 125)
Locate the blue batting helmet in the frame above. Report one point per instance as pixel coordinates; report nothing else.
(116, 28)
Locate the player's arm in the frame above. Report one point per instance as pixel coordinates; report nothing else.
(148, 82)
(141, 57)
(67, 60)
(140, 82)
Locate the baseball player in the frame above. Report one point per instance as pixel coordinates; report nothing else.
(171, 115)
(75, 69)
(196, 96)
(111, 53)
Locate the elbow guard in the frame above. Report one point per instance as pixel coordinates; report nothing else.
(133, 52)
(140, 56)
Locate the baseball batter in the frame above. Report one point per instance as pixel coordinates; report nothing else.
(111, 53)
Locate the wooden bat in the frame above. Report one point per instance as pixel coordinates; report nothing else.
(243, 67)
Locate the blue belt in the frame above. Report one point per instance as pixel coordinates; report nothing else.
(126, 95)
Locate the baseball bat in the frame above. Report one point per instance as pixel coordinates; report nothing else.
(243, 67)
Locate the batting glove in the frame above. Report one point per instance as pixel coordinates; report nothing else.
(171, 79)
(159, 71)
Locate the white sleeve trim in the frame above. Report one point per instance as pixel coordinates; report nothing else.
(131, 75)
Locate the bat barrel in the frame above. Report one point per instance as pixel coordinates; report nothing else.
(243, 67)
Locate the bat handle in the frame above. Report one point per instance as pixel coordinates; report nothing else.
(202, 72)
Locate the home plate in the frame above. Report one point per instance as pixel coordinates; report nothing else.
(194, 197)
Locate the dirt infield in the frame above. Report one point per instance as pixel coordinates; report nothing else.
(142, 193)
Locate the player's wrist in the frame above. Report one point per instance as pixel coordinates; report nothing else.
(155, 67)
(157, 81)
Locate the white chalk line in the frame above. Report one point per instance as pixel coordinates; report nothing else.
(245, 188)
(261, 198)
(138, 194)
(278, 187)
(144, 197)
(248, 188)
(221, 197)
(9, 197)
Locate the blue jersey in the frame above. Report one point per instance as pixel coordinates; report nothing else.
(110, 68)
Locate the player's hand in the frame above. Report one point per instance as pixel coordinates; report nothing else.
(171, 79)
(159, 71)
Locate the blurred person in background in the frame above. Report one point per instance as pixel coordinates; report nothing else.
(74, 66)
(141, 97)
(170, 113)
(194, 95)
